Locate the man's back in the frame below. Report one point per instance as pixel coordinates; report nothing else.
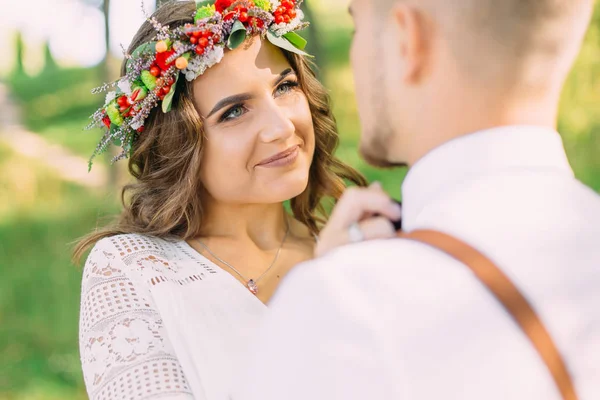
(398, 319)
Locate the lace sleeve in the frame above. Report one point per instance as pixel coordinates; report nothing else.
(124, 348)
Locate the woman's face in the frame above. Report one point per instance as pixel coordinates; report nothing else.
(259, 132)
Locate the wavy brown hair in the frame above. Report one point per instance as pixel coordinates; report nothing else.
(165, 199)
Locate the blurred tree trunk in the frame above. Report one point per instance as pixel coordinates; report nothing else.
(107, 76)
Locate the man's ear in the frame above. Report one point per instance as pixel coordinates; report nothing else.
(410, 38)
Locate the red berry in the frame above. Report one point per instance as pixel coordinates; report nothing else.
(286, 19)
(279, 19)
(199, 50)
(140, 129)
(193, 40)
(169, 81)
(123, 108)
(106, 121)
(216, 37)
(243, 17)
(154, 70)
(203, 42)
(287, 4)
(122, 101)
(292, 14)
(206, 34)
(160, 82)
(197, 34)
(165, 90)
(280, 10)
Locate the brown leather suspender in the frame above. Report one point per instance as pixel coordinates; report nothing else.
(510, 297)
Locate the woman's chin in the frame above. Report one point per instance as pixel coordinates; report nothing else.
(286, 188)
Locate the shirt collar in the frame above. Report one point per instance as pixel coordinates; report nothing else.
(475, 155)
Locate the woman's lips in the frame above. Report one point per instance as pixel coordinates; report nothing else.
(282, 159)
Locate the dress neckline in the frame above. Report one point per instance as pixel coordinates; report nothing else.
(195, 254)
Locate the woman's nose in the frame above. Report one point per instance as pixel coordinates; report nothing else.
(277, 124)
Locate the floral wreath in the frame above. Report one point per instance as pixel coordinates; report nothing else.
(154, 68)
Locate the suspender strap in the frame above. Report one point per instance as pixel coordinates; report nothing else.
(510, 297)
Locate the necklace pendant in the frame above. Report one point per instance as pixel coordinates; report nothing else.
(252, 286)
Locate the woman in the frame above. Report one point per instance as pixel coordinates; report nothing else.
(218, 141)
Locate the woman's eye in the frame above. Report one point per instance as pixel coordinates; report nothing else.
(286, 87)
(233, 113)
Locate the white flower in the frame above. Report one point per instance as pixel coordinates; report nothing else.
(190, 76)
(125, 86)
(136, 124)
(215, 56)
(275, 4)
(110, 96)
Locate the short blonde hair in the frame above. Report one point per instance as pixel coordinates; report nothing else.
(500, 39)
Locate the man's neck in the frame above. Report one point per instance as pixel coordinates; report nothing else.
(455, 125)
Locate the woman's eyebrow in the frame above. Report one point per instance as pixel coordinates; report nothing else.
(283, 75)
(238, 98)
(235, 99)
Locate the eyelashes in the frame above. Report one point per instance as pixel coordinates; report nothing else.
(238, 110)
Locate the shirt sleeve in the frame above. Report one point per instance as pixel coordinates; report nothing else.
(124, 348)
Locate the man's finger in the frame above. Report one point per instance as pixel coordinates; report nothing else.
(369, 229)
(376, 228)
(357, 203)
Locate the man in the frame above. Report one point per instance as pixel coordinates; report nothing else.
(464, 92)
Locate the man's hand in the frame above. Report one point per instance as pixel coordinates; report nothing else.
(371, 209)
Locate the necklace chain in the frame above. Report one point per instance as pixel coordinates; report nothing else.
(252, 284)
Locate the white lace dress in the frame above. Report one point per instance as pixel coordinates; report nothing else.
(160, 321)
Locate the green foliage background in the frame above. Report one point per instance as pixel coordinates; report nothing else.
(40, 214)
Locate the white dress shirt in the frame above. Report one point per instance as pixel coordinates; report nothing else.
(396, 319)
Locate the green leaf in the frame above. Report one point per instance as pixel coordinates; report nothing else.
(295, 39)
(168, 100)
(146, 48)
(204, 12)
(285, 44)
(115, 138)
(237, 36)
(128, 145)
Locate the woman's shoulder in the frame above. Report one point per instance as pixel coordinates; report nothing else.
(147, 257)
(129, 244)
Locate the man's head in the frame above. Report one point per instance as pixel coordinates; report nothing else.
(430, 70)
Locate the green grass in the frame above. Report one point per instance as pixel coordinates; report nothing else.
(39, 295)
